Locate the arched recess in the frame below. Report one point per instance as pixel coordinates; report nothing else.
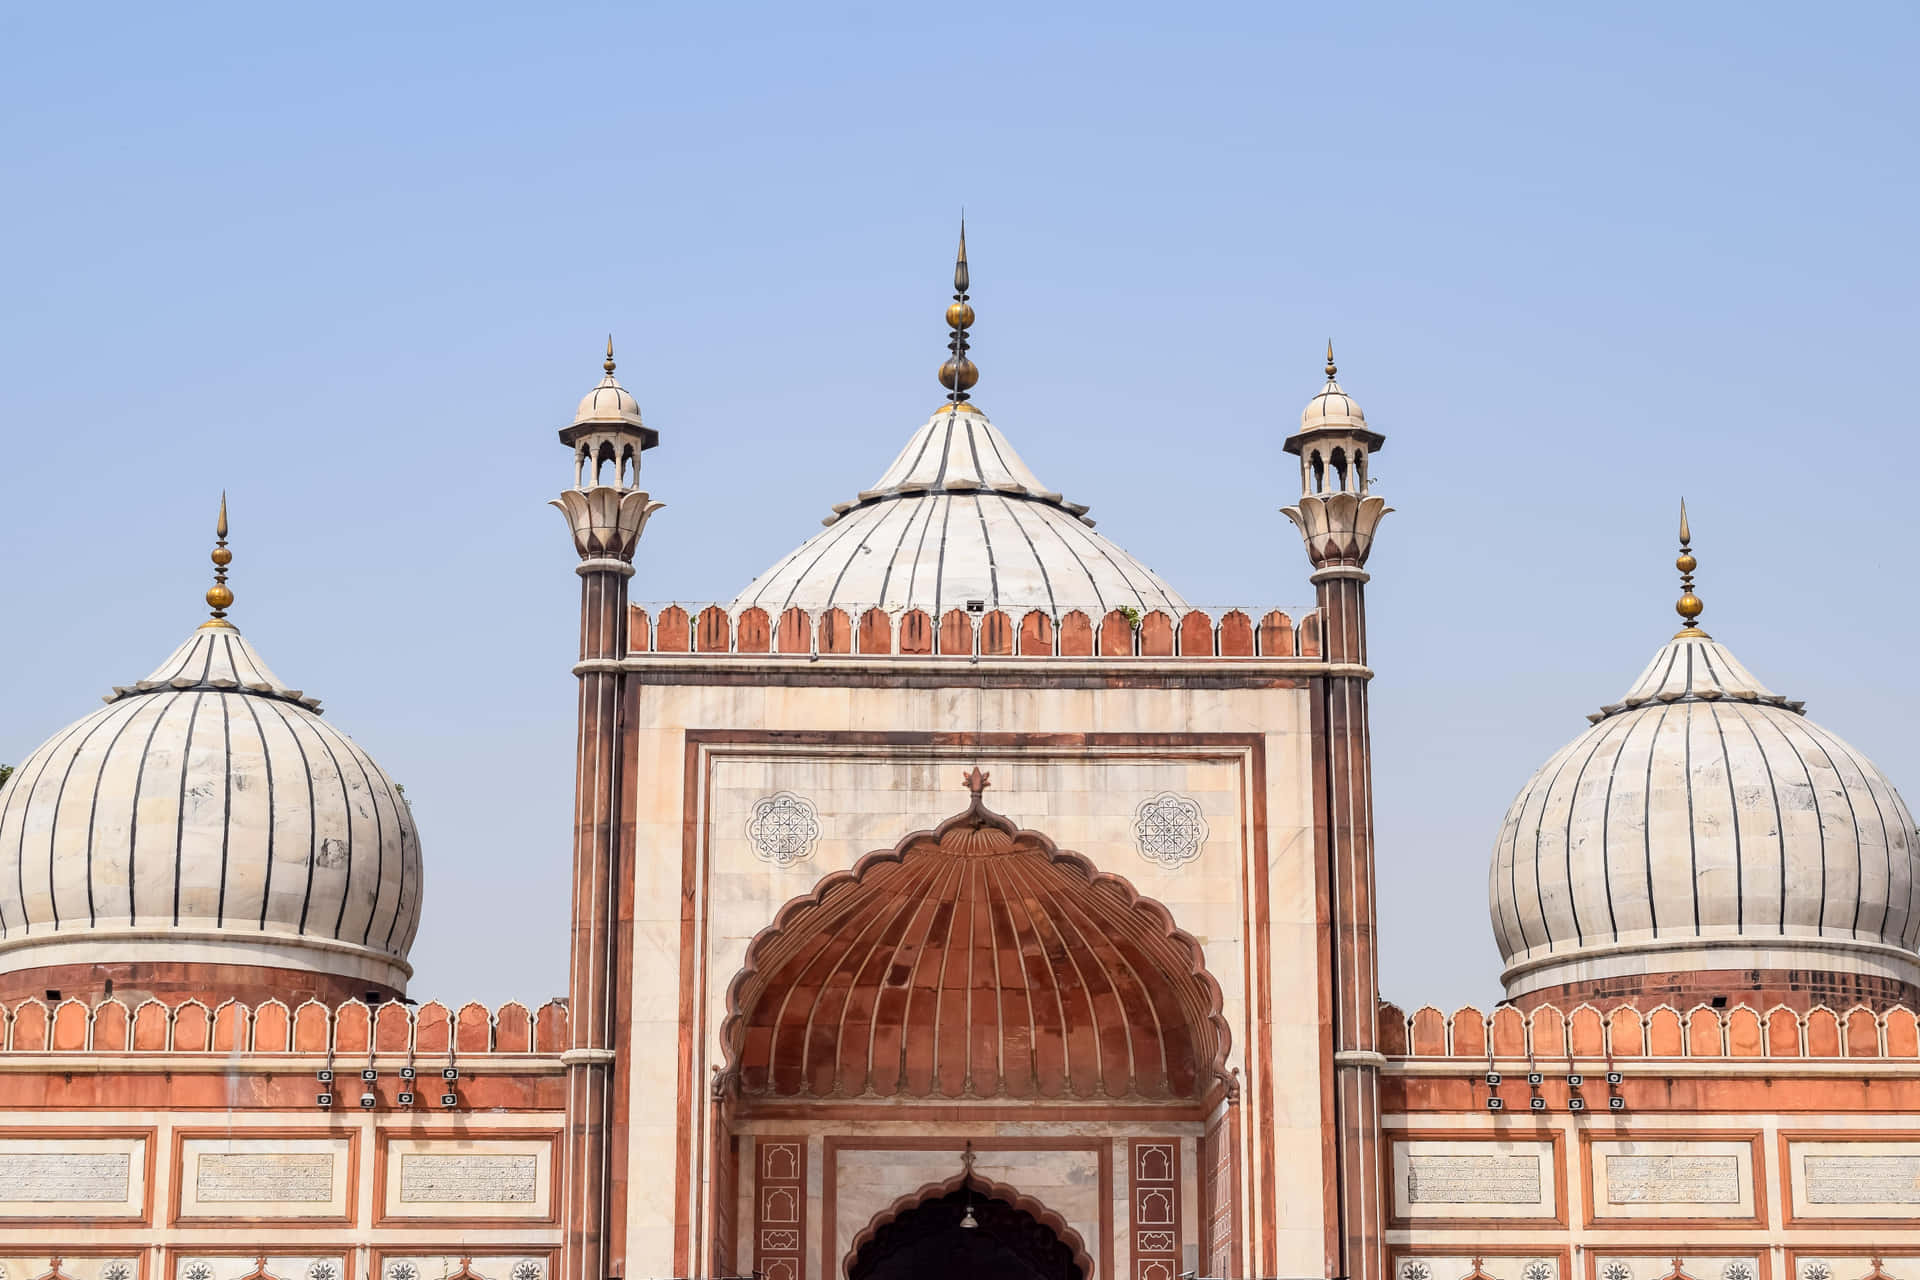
(980, 1191)
(974, 960)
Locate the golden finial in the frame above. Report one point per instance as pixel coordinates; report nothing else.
(1689, 606)
(1330, 368)
(608, 366)
(219, 596)
(959, 374)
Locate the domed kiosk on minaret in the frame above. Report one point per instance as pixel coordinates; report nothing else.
(209, 833)
(1704, 840)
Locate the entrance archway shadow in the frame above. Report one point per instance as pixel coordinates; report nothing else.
(922, 1237)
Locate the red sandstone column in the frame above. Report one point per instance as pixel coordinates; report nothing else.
(606, 521)
(1337, 518)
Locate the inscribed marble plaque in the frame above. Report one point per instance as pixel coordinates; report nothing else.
(469, 1179)
(1450, 1179)
(1673, 1180)
(252, 1176)
(65, 1177)
(1863, 1179)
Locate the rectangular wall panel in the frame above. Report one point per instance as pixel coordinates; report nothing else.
(44, 1177)
(1455, 1181)
(1154, 1200)
(1843, 1181)
(478, 1179)
(1652, 1182)
(252, 1178)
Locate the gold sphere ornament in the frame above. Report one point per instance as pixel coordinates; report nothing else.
(959, 375)
(219, 597)
(959, 316)
(222, 557)
(1689, 606)
(1686, 563)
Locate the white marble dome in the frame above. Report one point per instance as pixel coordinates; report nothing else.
(608, 402)
(208, 814)
(1703, 823)
(960, 517)
(1333, 407)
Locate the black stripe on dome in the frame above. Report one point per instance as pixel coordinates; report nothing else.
(273, 812)
(93, 806)
(16, 786)
(180, 818)
(1606, 824)
(313, 825)
(1646, 820)
(165, 706)
(1046, 579)
(1733, 805)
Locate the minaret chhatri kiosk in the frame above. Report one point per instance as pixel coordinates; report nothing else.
(607, 438)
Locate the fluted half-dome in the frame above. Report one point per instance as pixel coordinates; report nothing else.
(208, 815)
(1703, 823)
(959, 517)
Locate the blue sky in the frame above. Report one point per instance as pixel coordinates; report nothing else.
(354, 265)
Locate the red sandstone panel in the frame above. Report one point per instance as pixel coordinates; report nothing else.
(111, 1026)
(1704, 1033)
(836, 632)
(1863, 1034)
(1509, 1033)
(1393, 1033)
(916, 632)
(70, 1027)
(714, 632)
(876, 632)
(755, 631)
(1116, 636)
(1903, 1035)
(1076, 635)
(550, 1027)
(1469, 1028)
(996, 634)
(513, 1029)
(1196, 635)
(1665, 1037)
(432, 1028)
(956, 633)
(1236, 635)
(1586, 1035)
(473, 1030)
(1429, 1033)
(1036, 634)
(1156, 635)
(1307, 638)
(1784, 1028)
(352, 1028)
(639, 636)
(1823, 1034)
(1276, 635)
(1626, 1032)
(675, 634)
(393, 1028)
(192, 1028)
(796, 632)
(1744, 1038)
(229, 1027)
(312, 1028)
(1549, 1032)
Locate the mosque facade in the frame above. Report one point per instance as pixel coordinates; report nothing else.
(958, 900)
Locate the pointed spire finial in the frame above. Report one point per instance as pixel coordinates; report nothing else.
(219, 596)
(959, 374)
(1331, 370)
(1689, 606)
(608, 366)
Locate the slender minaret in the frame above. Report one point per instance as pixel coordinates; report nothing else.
(607, 438)
(1337, 517)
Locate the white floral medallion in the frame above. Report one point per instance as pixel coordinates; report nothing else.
(783, 828)
(527, 1269)
(1169, 829)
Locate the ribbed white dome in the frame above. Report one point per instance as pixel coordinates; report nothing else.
(608, 402)
(1333, 407)
(208, 814)
(959, 517)
(1704, 823)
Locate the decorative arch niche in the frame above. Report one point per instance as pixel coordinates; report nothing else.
(976, 960)
(985, 1194)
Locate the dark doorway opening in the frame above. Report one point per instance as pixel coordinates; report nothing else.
(965, 1234)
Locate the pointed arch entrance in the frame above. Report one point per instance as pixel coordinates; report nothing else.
(965, 1229)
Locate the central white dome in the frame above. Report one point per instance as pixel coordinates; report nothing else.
(960, 517)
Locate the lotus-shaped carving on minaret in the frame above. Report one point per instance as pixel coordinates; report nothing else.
(1337, 527)
(606, 520)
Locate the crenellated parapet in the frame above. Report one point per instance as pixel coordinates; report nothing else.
(349, 1031)
(963, 633)
(1551, 1035)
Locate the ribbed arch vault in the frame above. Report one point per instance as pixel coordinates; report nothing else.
(974, 960)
